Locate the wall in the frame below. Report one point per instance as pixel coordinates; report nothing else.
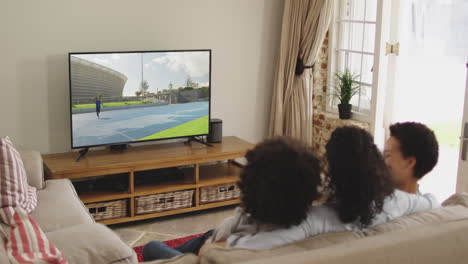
(35, 37)
(325, 122)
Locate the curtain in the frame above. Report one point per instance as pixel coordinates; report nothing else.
(305, 24)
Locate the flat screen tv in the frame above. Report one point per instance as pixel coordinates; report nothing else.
(127, 97)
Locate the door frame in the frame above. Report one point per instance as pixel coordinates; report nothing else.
(380, 71)
(462, 181)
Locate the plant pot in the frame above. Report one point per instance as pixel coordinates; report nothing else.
(345, 111)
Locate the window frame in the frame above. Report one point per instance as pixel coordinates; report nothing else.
(335, 33)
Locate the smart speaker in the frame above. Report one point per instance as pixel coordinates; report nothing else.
(216, 131)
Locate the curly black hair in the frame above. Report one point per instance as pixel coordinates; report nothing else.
(280, 181)
(418, 141)
(358, 179)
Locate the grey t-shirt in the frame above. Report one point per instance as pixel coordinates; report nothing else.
(240, 231)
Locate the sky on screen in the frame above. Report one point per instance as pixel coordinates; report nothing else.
(159, 68)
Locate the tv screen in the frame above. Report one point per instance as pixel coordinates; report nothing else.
(127, 97)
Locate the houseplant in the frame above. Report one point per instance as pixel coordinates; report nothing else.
(346, 86)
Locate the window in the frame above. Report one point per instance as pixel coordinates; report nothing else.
(352, 41)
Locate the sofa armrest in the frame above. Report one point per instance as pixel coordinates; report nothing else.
(58, 206)
(34, 168)
(92, 244)
(460, 198)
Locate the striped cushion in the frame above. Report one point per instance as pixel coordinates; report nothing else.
(14, 188)
(24, 240)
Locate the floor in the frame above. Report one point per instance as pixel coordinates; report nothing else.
(171, 227)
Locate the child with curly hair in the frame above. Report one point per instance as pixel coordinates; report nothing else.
(278, 185)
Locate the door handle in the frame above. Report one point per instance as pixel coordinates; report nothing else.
(464, 142)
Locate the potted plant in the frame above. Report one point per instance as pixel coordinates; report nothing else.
(346, 86)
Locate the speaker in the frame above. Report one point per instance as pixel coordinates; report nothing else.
(216, 131)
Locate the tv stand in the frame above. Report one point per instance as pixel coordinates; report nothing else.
(203, 168)
(201, 141)
(119, 147)
(82, 154)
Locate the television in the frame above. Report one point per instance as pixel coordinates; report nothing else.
(118, 98)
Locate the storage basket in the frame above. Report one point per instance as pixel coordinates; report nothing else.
(107, 210)
(222, 192)
(163, 201)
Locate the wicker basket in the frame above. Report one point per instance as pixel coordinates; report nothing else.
(107, 210)
(163, 202)
(222, 192)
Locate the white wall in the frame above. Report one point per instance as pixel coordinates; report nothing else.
(35, 37)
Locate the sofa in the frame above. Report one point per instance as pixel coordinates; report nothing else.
(436, 236)
(67, 223)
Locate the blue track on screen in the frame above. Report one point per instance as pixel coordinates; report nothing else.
(132, 124)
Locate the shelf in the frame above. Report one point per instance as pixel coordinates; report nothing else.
(187, 182)
(162, 188)
(218, 174)
(116, 220)
(218, 204)
(152, 156)
(209, 175)
(167, 213)
(102, 196)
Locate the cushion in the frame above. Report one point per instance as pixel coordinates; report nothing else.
(182, 259)
(126, 261)
(33, 164)
(3, 253)
(59, 206)
(92, 243)
(25, 241)
(14, 188)
(215, 254)
(430, 244)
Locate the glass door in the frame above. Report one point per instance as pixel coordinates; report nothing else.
(426, 78)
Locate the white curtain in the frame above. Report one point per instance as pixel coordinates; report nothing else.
(305, 24)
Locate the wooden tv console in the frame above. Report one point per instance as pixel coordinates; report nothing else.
(199, 172)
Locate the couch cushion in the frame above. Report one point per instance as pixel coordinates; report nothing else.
(33, 164)
(25, 242)
(14, 188)
(92, 243)
(182, 259)
(445, 243)
(3, 253)
(214, 254)
(59, 206)
(126, 261)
